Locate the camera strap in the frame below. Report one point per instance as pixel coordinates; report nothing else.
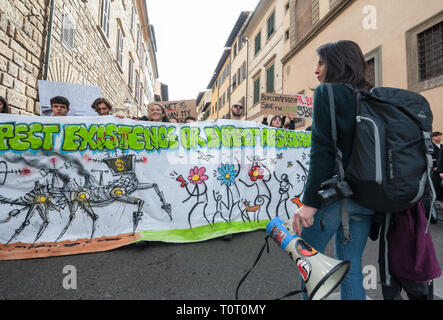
(339, 163)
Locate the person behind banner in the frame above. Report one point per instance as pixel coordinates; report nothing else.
(4, 108)
(339, 63)
(237, 111)
(103, 108)
(279, 122)
(172, 119)
(157, 113)
(190, 119)
(59, 106)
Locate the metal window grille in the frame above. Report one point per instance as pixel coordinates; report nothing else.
(68, 32)
(119, 47)
(106, 12)
(370, 71)
(430, 52)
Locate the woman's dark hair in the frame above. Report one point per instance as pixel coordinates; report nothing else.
(275, 117)
(165, 118)
(5, 105)
(345, 63)
(101, 100)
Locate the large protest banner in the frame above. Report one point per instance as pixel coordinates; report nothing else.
(299, 106)
(178, 109)
(72, 185)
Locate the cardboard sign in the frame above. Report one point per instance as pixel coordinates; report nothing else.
(179, 109)
(299, 106)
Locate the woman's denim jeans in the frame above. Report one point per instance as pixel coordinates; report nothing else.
(351, 287)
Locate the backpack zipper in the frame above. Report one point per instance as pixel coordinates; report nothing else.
(378, 175)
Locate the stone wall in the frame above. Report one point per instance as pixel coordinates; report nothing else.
(92, 60)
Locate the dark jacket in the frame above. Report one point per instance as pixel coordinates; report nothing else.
(322, 160)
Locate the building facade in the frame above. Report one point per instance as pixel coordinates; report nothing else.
(264, 34)
(402, 44)
(105, 43)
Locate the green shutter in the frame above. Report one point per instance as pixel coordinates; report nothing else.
(256, 91)
(270, 79)
(258, 42)
(271, 24)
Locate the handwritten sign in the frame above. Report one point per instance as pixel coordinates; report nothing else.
(179, 109)
(299, 106)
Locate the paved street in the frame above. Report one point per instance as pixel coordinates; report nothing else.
(163, 271)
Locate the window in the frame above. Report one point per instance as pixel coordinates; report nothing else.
(430, 52)
(287, 35)
(424, 53)
(137, 87)
(256, 91)
(119, 47)
(68, 31)
(270, 79)
(139, 42)
(132, 20)
(131, 73)
(234, 81)
(271, 24)
(373, 67)
(257, 42)
(105, 15)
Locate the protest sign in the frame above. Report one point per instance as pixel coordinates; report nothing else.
(298, 106)
(80, 97)
(72, 185)
(179, 109)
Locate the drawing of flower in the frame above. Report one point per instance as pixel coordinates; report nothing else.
(256, 173)
(197, 175)
(227, 174)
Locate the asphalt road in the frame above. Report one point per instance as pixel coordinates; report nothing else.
(208, 270)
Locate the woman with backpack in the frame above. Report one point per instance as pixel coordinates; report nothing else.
(339, 63)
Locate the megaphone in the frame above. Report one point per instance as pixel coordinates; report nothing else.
(320, 273)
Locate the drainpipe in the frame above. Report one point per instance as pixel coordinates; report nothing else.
(48, 41)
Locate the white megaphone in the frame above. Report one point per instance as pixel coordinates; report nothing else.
(320, 273)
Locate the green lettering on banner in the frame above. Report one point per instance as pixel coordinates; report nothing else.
(34, 141)
(151, 138)
(124, 131)
(213, 136)
(279, 136)
(163, 137)
(172, 138)
(87, 136)
(20, 132)
(48, 135)
(111, 140)
(6, 131)
(135, 141)
(70, 139)
(189, 137)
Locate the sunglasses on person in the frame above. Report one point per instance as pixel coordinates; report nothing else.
(237, 106)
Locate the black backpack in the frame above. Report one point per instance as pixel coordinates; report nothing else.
(391, 158)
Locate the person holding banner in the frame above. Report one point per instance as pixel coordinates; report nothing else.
(102, 106)
(339, 63)
(237, 111)
(3, 105)
(157, 113)
(59, 106)
(279, 122)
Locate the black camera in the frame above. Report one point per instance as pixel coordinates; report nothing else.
(334, 190)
